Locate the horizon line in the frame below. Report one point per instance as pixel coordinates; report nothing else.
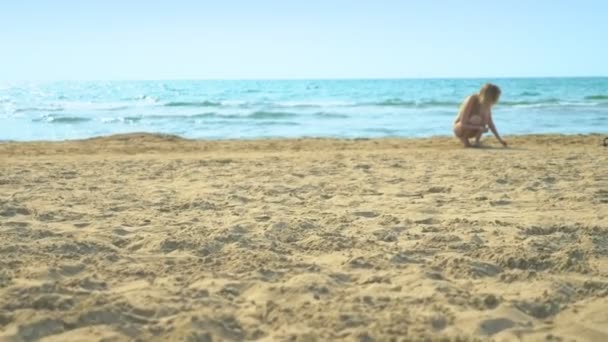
(302, 79)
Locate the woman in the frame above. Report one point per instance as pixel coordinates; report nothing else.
(475, 116)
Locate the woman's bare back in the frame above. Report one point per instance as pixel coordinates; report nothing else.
(477, 116)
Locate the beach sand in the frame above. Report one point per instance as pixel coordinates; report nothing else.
(158, 238)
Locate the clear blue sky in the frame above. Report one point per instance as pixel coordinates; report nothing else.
(242, 39)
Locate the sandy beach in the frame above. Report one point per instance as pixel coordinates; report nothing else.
(157, 238)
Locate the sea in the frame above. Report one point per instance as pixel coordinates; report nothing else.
(257, 109)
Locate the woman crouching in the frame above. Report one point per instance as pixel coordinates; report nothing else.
(475, 116)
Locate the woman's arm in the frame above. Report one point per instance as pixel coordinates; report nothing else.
(465, 114)
(495, 132)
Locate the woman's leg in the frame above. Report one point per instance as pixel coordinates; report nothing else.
(470, 133)
(462, 134)
(478, 138)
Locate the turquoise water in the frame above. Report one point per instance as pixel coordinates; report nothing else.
(314, 108)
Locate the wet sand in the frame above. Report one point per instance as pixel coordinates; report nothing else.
(158, 238)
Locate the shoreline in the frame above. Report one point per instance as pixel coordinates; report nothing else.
(142, 142)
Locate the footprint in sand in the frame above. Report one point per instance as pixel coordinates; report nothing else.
(121, 231)
(69, 270)
(540, 310)
(405, 258)
(37, 330)
(500, 203)
(439, 190)
(262, 218)
(15, 224)
(429, 221)
(366, 214)
(10, 211)
(491, 327)
(385, 235)
(364, 167)
(360, 262)
(602, 195)
(549, 179)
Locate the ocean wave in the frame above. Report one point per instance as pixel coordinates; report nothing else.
(276, 123)
(75, 106)
(596, 97)
(115, 109)
(95, 107)
(414, 104)
(138, 118)
(551, 104)
(38, 109)
(312, 104)
(297, 105)
(549, 101)
(144, 97)
(426, 104)
(384, 131)
(259, 115)
(62, 119)
(409, 103)
(270, 115)
(529, 93)
(193, 104)
(394, 103)
(331, 115)
(126, 119)
(522, 103)
(267, 107)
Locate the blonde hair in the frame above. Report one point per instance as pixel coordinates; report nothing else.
(489, 93)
